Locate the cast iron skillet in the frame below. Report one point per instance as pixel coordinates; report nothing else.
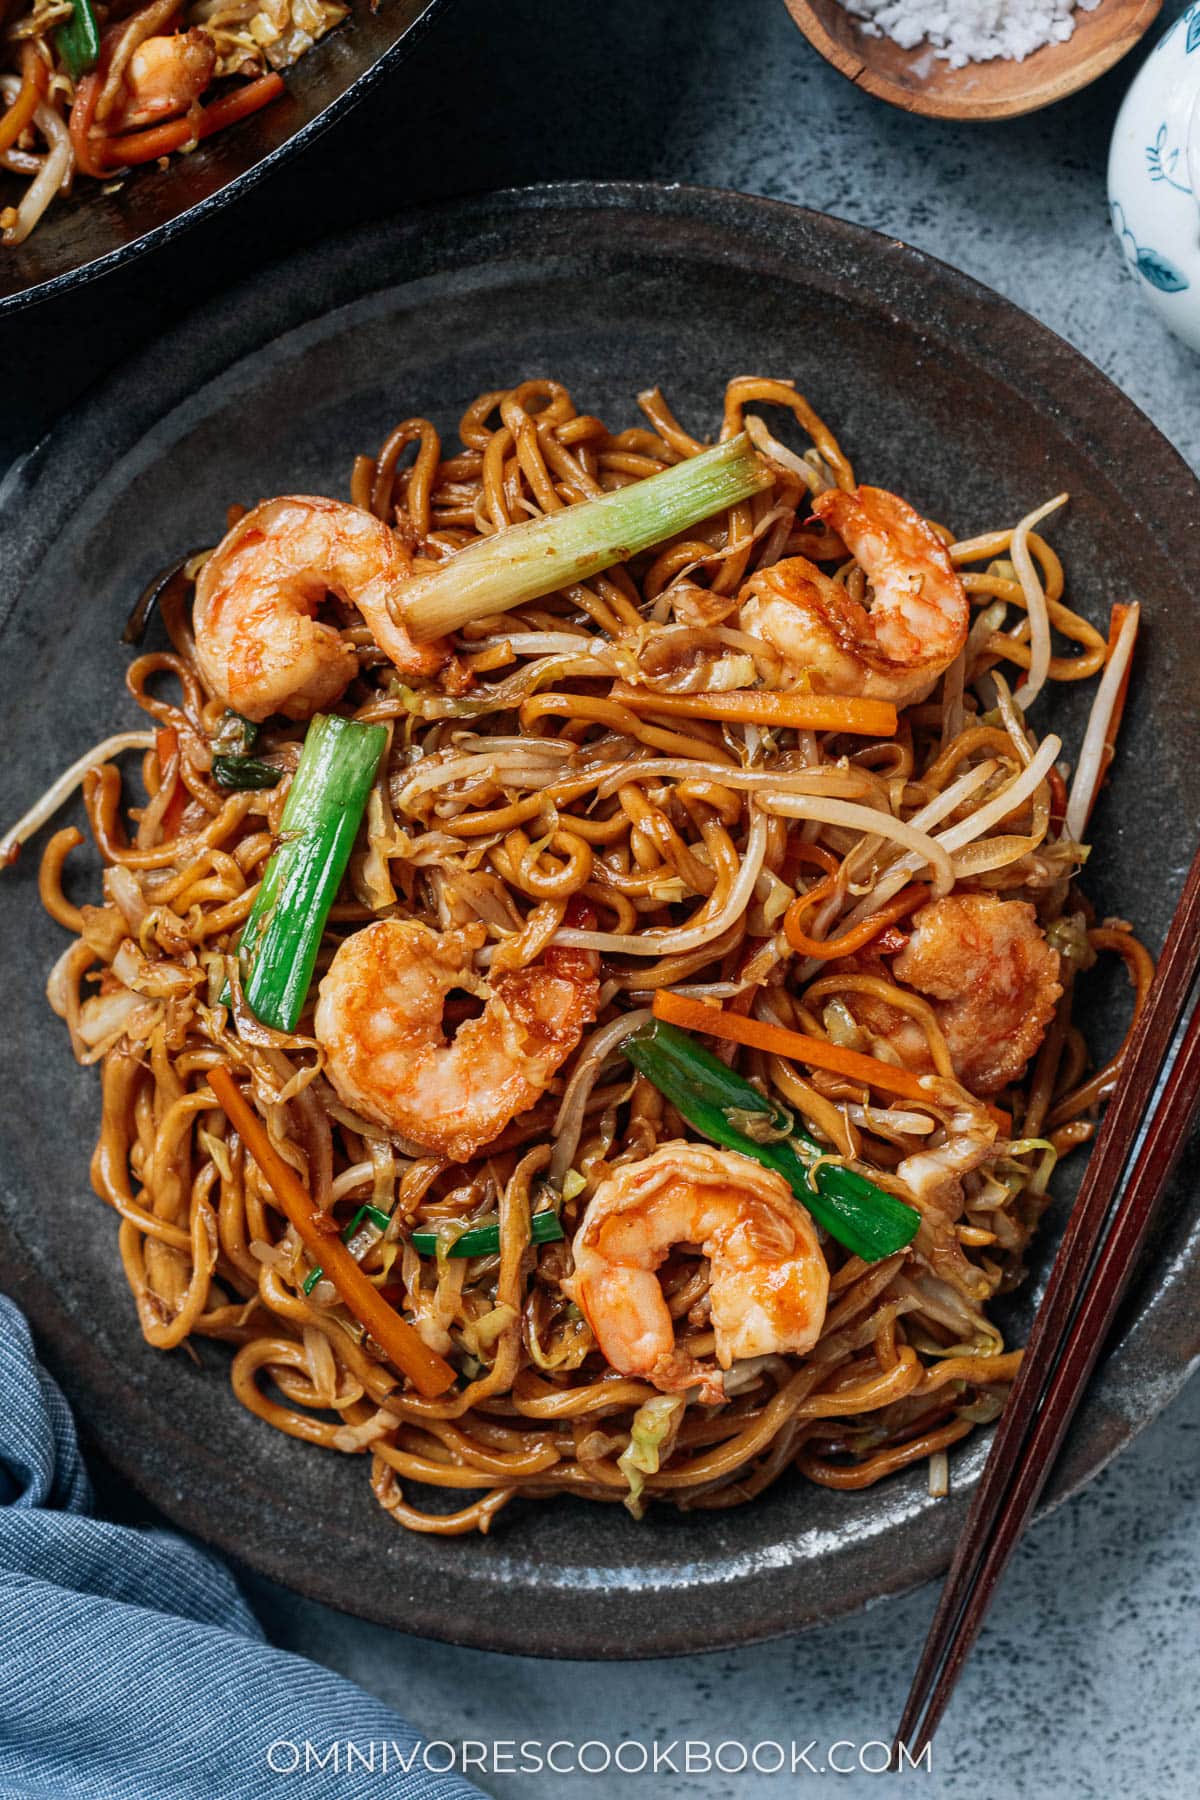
(934, 386)
(92, 231)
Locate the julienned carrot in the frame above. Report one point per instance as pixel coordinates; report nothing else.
(1116, 620)
(778, 1040)
(160, 140)
(1058, 799)
(89, 151)
(763, 706)
(166, 745)
(427, 1371)
(33, 81)
(906, 901)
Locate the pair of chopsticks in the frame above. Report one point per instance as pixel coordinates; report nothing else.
(1107, 1228)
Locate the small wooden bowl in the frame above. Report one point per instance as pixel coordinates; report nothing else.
(920, 81)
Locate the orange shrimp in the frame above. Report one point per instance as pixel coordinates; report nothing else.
(165, 76)
(919, 615)
(992, 980)
(379, 1020)
(260, 645)
(769, 1282)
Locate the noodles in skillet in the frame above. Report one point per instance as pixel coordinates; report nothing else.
(675, 1074)
(93, 89)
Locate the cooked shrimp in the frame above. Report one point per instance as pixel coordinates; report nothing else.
(260, 645)
(164, 77)
(993, 981)
(919, 614)
(379, 1021)
(768, 1280)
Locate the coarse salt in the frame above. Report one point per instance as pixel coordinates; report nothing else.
(963, 31)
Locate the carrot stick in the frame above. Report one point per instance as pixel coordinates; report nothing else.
(1116, 620)
(166, 745)
(33, 78)
(240, 103)
(779, 1040)
(762, 706)
(427, 1371)
(905, 902)
(1058, 799)
(89, 151)
(148, 145)
(160, 140)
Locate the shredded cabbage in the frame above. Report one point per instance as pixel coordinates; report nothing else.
(571, 1343)
(655, 1424)
(481, 1334)
(217, 1149)
(842, 1026)
(1069, 937)
(448, 1233)
(773, 897)
(761, 1127)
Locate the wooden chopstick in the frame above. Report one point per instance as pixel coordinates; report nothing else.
(1165, 1139)
(1087, 1280)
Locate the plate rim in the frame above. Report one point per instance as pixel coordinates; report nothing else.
(650, 200)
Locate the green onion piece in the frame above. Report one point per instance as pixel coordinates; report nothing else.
(245, 772)
(320, 819)
(379, 1219)
(866, 1219)
(78, 39)
(376, 1217)
(484, 1240)
(539, 556)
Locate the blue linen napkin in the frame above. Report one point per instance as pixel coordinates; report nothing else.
(131, 1668)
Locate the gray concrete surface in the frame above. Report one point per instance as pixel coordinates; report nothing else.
(1084, 1681)
(1082, 1685)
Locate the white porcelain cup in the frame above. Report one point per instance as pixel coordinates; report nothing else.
(1154, 177)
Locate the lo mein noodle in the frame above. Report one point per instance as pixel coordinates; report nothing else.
(680, 1063)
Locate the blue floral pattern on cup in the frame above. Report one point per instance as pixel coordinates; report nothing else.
(1154, 177)
(1167, 161)
(1158, 270)
(1190, 18)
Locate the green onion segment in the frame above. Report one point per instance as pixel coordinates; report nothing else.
(539, 556)
(480, 1240)
(320, 820)
(484, 1240)
(868, 1220)
(245, 772)
(77, 39)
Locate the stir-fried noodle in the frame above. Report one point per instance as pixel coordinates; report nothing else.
(594, 810)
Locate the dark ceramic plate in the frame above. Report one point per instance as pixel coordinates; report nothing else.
(93, 231)
(936, 387)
